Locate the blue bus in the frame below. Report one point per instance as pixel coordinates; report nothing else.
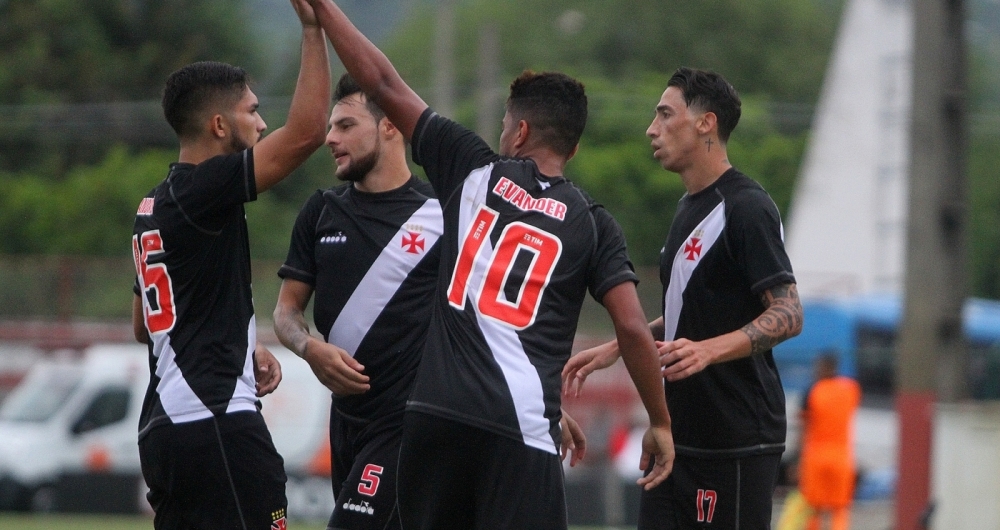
(862, 332)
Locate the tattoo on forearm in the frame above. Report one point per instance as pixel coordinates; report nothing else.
(292, 330)
(781, 320)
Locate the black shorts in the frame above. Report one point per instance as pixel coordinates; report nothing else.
(219, 473)
(365, 456)
(732, 494)
(453, 475)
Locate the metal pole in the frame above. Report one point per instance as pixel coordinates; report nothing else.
(444, 59)
(488, 92)
(932, 347)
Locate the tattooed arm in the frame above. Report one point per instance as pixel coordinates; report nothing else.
(334, 367)
(781, 319)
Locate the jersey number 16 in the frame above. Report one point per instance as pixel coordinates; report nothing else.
(154, 279)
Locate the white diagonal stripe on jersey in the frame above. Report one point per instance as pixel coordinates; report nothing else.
(383, 278)
(178, 400)
(522, 380)
(474, 191)
(521, 376)
(707, 231)
(245, 394)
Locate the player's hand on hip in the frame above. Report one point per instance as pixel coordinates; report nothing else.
(683, 358)
(586, 362)
(573, 440)
(266, 370)
(336, 369)
(657, 449)
(304, 9)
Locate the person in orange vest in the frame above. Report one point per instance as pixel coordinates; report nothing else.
(827, 471)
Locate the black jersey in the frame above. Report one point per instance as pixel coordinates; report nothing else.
(724, 249)
(518, 254)
(192, 258)
(372, 261)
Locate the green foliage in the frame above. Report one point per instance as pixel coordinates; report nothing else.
(108, 50)
(97, 51)
(984, 216)
(624, 51)
(64, 196)
(90, 212)
(777, 47)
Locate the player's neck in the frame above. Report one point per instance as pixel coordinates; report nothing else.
(198, 152)
(705, 171)
(549, 163)
(390, 173)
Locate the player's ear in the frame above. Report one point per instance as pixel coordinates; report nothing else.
(218, 127)
(707, 122)
(387, 128)
(572, 153)
(523, 133)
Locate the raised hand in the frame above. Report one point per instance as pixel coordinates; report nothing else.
(304, 9)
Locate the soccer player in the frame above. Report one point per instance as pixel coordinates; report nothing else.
(205, 451)
(520, 247)
(826, 468)
(368, 248)
(728, 297)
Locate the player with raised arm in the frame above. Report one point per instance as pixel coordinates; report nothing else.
(728, 297)
(205, 451)
(520, 248)
(368, 249)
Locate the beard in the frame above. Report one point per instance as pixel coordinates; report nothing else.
(237, 143)
(359, 169)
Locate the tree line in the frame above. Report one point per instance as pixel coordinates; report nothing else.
(76, 193)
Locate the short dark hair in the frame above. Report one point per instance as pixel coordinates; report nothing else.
(347, 86)
(553, 104)
(829, 359)
(198, 87)
(708, 91)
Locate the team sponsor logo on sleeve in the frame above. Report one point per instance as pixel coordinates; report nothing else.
(146, 207)
(335, 238)
(519, 197)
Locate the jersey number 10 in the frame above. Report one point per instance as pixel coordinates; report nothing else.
(517, 237)
(154, 276)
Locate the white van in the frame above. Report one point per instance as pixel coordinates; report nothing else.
(68, 434)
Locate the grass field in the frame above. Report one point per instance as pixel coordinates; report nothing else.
(111, 522)
(98, 522)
